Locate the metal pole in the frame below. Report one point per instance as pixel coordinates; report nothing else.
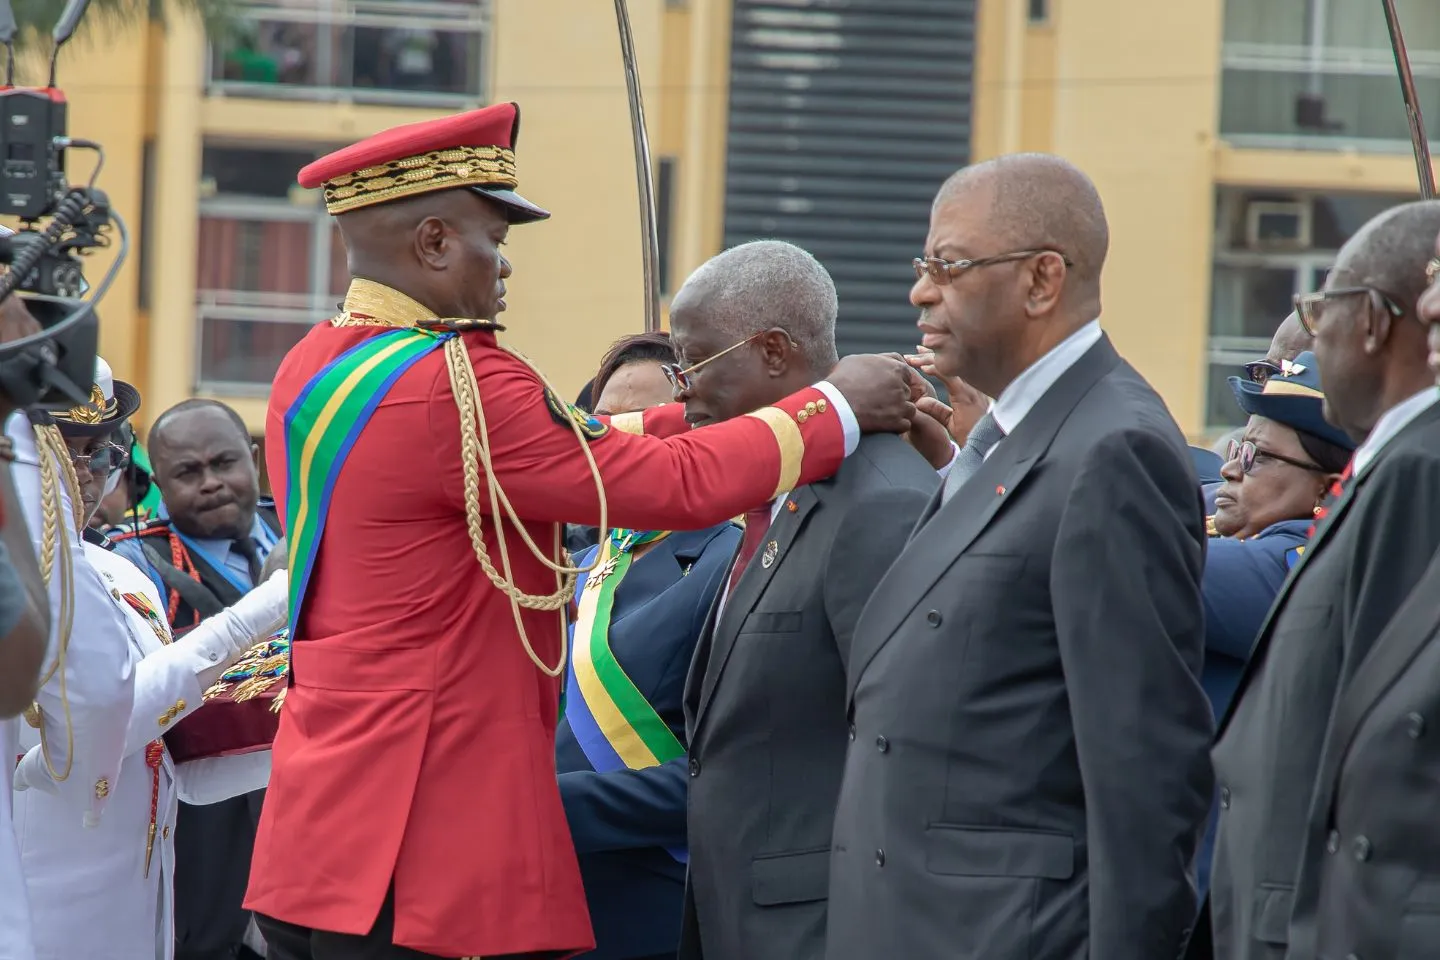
(644, 176)
(1423, 164)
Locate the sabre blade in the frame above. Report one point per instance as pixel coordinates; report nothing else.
(644, 176)
(1424, 166)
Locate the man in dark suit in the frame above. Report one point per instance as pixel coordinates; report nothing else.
(1369, 880)
(1028, 772)
(1372, 541)
(204, 553)
(765, 701)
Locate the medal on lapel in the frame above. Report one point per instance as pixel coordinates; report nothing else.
(772, 550)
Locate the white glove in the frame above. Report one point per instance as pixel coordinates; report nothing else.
(224, 638)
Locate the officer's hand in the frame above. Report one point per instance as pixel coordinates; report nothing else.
(878, 390)
(967, 405)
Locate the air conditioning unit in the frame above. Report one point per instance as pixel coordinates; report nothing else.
(1277, 225)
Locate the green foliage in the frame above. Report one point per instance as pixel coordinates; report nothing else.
(35, 19)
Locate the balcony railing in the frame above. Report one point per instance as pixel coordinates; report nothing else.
(421, 52)
(1304, 97)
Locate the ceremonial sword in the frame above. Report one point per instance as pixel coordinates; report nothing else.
(644, 177)
(1424, 166)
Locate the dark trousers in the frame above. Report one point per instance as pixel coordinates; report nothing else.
(213, 845)
(287, 941)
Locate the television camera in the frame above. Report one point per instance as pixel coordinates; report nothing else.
(60, 223)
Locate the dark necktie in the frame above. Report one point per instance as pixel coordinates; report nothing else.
(1337, 489)
(984, 435)
(757, 521)
(248, 549)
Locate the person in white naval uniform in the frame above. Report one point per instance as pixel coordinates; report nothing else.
(107, 892)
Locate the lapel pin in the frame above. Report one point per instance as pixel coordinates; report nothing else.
(999, 491)
(771, 550)
(790, 505)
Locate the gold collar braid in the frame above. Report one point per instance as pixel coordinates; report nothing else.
(379, 305)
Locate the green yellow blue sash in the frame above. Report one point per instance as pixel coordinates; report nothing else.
(322, 425)
(614, 725)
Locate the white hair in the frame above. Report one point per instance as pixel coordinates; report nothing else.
(770, 283)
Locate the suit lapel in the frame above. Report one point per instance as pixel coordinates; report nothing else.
(1414, 625)
(947, 530)
(751, 587)
(1262, 638)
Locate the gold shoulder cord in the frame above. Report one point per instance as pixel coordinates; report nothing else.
(56, 469)
(475, 453)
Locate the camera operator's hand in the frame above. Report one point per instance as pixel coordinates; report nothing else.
(15, 322)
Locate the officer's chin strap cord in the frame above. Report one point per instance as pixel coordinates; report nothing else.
(57, 469)
(475, 453)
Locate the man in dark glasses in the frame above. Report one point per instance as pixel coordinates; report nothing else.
(1290, 340)
(1374, 536)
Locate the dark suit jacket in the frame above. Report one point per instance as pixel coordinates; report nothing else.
(1355, 572)
(1369, 881)
(1030, 771)
(765, 704)
(623, 821)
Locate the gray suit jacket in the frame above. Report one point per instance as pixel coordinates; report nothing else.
(765, 709)
(1369, 883)
(1030, 772)
(1357, 569)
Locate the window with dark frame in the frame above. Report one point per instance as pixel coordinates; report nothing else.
(1039, 11)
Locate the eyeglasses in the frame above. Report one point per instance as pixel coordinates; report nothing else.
(106, 459)
(682, 379)
(943, 271)
(1260, 371)
(1247, 453)
(1307, 305)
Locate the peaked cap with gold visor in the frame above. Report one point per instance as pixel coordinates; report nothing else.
(111, 403)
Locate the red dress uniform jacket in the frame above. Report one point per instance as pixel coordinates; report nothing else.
(416, 745)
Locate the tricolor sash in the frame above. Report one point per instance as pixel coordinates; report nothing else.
(322, 425)
(614, 725)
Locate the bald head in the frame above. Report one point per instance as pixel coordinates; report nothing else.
(1290, 340)
(1037, 200)
(1391, 251)
(765, 284)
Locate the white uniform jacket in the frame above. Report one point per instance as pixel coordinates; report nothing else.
(91, 892)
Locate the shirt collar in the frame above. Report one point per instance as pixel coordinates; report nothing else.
(1026, 390)
(1394, 420)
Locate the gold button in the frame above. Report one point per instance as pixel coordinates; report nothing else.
(115, 593)
(801, 416)
(165, 718)
(102, 788)
(179, 705)
(820, 405)
(810, 408)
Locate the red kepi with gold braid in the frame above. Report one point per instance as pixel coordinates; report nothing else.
(415, 756)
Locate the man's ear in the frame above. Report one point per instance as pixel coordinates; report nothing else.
(431, 247)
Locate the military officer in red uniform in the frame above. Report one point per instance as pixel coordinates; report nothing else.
(425, 474)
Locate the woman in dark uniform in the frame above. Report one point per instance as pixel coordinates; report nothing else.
(620, 745)
(1276, 477)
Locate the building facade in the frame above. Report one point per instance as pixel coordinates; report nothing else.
(1236, 144)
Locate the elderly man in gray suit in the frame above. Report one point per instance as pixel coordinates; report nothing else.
(765, 699)
(1029, 773)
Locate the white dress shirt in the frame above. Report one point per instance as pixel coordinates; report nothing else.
(1394, 420)
(1017, 400)
(15, 942)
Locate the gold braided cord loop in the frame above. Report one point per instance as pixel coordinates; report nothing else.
(56, 468)
(437, 170)
(475, 454)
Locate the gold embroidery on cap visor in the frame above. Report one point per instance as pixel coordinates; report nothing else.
(93, 412)
(427, 172)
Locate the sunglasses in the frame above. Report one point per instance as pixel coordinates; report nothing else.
(105, 460)
(943, 271)
(1307, 305)
(682, 379)
(1247, 453)
(1260, 371)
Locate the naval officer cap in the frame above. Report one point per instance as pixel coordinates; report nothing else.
(470, 151)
